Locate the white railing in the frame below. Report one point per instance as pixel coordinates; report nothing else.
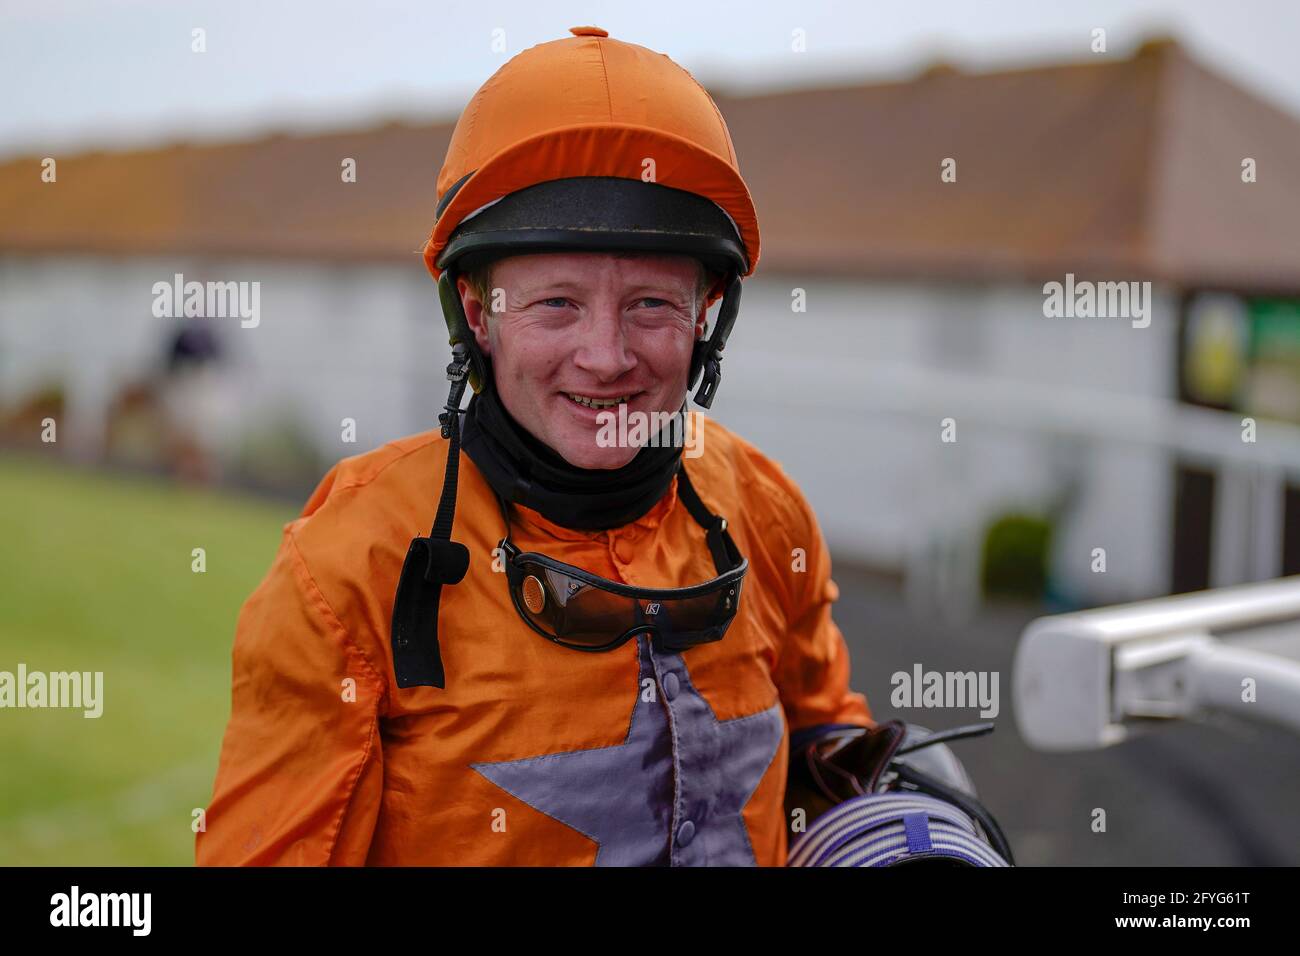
(1091, 678)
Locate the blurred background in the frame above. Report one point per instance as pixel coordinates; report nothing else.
(887, 300)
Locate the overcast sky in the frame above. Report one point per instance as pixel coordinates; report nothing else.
(121, 72)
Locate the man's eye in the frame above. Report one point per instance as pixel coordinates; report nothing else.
(558, 302)
(654, 303)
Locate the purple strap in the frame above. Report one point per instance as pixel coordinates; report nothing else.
(917, 826)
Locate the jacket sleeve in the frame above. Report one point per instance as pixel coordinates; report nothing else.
(301, 770)
(812, 672)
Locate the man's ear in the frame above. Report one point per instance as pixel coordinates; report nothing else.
(702, 319)
(475, 314)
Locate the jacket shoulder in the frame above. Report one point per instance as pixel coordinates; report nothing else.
(353, 533)
(735, 470)
(360, 477)
(765, 508)
(374, 501)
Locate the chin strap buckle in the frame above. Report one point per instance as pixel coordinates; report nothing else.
(457, 373)
(710, 379)
(457, 370)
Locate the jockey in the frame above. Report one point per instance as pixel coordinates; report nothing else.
(604, 652)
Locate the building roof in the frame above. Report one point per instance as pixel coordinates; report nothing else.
(1130, 167)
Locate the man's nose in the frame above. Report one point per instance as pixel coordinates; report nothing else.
(603, 346)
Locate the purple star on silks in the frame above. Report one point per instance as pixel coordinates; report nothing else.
(588, 789)
(685, 805)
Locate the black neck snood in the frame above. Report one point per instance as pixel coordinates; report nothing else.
(523, 470)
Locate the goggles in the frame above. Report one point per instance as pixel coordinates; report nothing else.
(583, 611)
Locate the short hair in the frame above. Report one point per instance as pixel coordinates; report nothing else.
(480, 281)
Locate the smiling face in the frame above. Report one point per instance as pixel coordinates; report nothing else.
(579, 333)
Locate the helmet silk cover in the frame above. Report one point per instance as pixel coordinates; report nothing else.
(589, 106)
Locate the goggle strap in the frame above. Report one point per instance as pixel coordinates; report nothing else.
(726, 555)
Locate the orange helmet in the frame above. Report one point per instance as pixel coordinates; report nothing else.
(590, 143)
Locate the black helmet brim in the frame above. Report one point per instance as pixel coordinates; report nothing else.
(598, 214)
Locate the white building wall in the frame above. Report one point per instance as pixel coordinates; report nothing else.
(862, 433)
(358, 341)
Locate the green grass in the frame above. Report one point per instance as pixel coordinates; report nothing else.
(95, 575)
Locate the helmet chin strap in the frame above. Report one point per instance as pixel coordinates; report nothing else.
(707, 358)
(432, 561)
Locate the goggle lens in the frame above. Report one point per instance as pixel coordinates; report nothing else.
(578, 614)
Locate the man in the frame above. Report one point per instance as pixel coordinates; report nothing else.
(600, 654)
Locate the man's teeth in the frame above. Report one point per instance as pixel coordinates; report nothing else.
(598, 402)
